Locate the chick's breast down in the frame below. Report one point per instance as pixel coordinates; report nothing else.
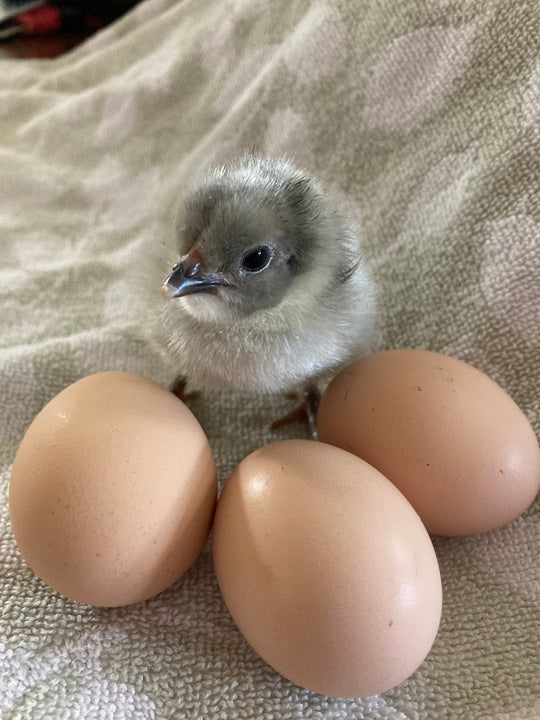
(270, 290)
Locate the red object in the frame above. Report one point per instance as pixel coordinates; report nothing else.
(41, 21)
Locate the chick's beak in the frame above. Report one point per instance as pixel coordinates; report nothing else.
(189, 276)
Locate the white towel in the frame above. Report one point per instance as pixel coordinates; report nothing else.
(424, 117)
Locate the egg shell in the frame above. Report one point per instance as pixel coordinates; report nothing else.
(451, 439)
(113, 490)
(326, 569)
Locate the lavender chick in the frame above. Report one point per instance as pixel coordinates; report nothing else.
(270, 292)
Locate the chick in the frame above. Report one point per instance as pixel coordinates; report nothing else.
(270, 292)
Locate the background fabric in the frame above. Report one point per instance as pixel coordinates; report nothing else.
(424, 118)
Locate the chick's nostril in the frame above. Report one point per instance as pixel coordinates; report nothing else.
(191, 269)
(192, 264)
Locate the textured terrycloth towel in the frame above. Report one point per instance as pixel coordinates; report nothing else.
(425, 118)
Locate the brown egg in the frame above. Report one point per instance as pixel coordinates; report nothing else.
(326, 569)
(113, 490)
(454, 443)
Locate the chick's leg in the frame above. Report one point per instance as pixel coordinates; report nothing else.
(178, 388)
(306, 412)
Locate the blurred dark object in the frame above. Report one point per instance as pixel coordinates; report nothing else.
(39, 21)
(49, 29)
(10, 8)
(105, 10)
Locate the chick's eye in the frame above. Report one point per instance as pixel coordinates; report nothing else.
(257, 259)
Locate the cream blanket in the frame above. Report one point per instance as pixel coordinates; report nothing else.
(425, 117)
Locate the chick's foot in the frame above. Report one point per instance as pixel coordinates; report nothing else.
(178, 388)
(305, 413)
